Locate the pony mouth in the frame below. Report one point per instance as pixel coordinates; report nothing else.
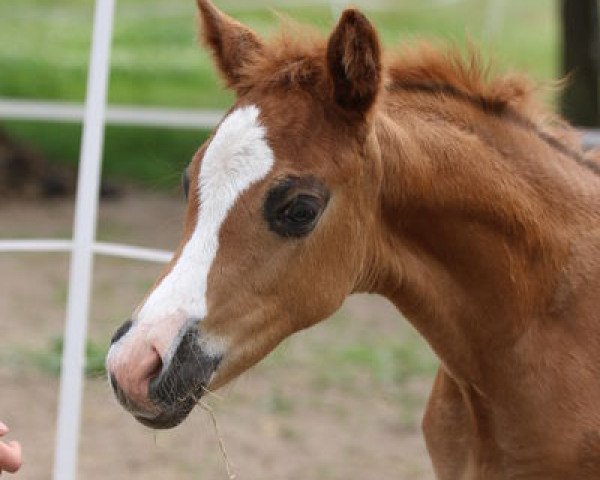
(170, 416)
(176, 389)
(175, 392)
(163, 414)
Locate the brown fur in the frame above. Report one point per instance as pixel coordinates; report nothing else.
(460, 200)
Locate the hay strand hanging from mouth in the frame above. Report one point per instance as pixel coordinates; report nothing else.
(230, 474)
(211, 393)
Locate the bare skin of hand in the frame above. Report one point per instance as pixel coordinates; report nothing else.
(10, 453)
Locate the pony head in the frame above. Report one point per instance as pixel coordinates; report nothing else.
(280, 203)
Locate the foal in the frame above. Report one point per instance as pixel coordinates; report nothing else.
(414, 178)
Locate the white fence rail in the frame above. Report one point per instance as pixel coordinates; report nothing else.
(94, 115)
(116, 115)
(107, 249)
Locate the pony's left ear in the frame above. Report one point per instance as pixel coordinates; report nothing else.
(354, 62)
(233, 45)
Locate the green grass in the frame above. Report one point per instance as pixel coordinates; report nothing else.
(48, 360)
(342, 357)
(388, 362)
(391, 364)
(156, 61)
(152, 157)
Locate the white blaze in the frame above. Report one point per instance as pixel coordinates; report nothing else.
(237, 157)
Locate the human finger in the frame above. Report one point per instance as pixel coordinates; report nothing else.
(10, 456)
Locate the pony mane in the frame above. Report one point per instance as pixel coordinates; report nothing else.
(447, 68)
(448, 71)
(295, 59)
(466, 76)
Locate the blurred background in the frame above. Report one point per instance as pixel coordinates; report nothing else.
(342, 400)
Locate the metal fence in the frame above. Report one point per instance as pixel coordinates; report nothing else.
(83, 246)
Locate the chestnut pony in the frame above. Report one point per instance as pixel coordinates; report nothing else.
(457, 198)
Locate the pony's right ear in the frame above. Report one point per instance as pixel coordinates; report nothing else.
(232, 44)
(354, 62)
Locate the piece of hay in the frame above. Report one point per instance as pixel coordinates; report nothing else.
(230, 474)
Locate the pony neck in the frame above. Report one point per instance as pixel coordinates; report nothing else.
(470, 245)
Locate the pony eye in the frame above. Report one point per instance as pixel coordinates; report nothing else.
(303, 210)
(298, 217)
(185, 184)
(294, 205)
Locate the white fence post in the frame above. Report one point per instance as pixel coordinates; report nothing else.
(494, 18)
(336, 7)
(84, 231)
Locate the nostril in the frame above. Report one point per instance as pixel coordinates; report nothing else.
(153, 366)
(121, 331)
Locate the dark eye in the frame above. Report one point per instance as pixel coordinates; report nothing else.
(301, 211)
(185, 183)
(294, 205)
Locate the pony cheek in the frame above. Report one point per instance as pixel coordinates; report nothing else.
(229, 368)
(248, 351)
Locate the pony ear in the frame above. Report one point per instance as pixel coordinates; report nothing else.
(354, 62)
(232, 44)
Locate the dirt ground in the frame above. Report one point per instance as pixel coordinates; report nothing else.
(334, 402)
